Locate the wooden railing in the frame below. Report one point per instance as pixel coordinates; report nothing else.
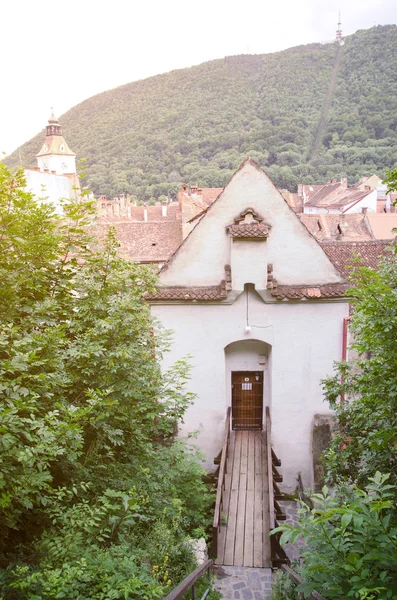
(298, 579)
(189, 583)
(278, 555)
(220, 487)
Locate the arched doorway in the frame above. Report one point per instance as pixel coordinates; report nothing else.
(247, 382)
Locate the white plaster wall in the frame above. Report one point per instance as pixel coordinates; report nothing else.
(50, 187)
(55, 162)
(305, 338)
(295, 254)
(248, 263)
(369, 202)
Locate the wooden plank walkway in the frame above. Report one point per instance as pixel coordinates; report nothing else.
(243, 538)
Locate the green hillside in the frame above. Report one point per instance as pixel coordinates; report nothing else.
(198, 124)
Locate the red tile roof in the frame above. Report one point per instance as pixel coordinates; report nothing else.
(154, 213)
(209, 195)
(353, 227)
(249, 230)
(294, 292)
(309, 190)
(319, 194)
(147, 241)
(337, 196)
(294, 200)
(342, 254)
(382, 225)
(216, 292)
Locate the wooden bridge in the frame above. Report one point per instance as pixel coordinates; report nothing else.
(247, 506)
(246, 509)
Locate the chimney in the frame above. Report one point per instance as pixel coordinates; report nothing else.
(116, 208)
(300, 189)
(199, 191)
(122, 203)
(145, 214)
(164, 208)
(193, 189)
(343, 182)
(364, 210)
(184, 187)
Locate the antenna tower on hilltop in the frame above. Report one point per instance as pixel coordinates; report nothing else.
(339, 38)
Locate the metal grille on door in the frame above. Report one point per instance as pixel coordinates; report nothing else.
(247, 399)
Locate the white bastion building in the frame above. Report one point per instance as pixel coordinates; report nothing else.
(251, 295)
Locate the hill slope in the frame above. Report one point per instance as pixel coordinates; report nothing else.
(198, 124)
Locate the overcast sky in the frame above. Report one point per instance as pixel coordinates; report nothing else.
(58, 53)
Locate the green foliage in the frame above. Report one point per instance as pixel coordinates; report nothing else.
(391, 180)
(94, 490)
(351, 542)
(351, 537)
(365, 437)
(283, 587)
(198, 124)
(109, 573)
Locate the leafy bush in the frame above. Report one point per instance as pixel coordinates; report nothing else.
(365, 433)
(96, 496)
(99, 573)
(351, 542)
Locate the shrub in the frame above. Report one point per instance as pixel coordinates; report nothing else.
(351, 542)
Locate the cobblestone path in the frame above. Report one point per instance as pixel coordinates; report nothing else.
(243, 583)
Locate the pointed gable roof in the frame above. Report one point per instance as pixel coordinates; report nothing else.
(297, 257)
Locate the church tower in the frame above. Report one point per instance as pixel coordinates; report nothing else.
(55, 154)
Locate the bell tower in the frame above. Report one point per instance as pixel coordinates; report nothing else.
(55, 154)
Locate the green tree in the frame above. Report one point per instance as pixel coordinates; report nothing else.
(365, 438)
(351, 536)
(87, 417)
(391, 180)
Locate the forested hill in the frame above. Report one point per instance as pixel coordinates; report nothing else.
(197, 124)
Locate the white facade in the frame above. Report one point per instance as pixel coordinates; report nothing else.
(58, 163)
(294, 342)
(52, 188)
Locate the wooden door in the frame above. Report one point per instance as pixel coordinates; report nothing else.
(247, 399)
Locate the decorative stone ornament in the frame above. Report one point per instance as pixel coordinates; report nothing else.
(249, 225)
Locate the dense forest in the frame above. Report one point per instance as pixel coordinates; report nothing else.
(197, 124)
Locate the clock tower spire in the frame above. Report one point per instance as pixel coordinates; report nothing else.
(55, 154)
